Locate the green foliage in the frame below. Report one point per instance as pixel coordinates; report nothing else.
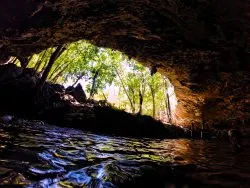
(100, 68)
(78, 56)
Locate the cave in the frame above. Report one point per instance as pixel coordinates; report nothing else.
(202, 46)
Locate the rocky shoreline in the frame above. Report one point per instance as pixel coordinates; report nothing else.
(69, 107)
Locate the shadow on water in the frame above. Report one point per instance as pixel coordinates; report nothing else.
(34, 155)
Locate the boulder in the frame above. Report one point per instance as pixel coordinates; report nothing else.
(69, 89)
(77, 92)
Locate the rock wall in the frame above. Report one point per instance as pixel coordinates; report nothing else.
(202, 46)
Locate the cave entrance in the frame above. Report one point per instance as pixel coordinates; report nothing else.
(108, 75)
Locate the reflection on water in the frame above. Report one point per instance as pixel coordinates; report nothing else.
(35, 155)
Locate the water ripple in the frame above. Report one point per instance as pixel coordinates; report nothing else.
(37, 155)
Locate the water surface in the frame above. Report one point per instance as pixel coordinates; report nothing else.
(35, 155)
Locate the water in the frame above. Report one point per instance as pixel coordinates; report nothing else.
(34, 155)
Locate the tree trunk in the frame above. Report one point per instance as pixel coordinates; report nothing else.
(167, 102)
(24, 61)
(28, 60)
(14, 60)
(57, 76)
(131, 89)
(52, 59)
(77, 80)
(153, 100)
(169, 109)
(46, 62)
(38, 64)
(59, 68)
(92, 91)
(126, 92)
(133, 102)
(140, 102)
(9, 60)
(141, 94)
(104, 96)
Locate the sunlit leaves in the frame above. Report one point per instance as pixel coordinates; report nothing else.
(102, 68)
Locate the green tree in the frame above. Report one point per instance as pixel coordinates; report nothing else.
(155, 85)
(100, 68)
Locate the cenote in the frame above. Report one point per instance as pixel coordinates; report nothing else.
(124, 93)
